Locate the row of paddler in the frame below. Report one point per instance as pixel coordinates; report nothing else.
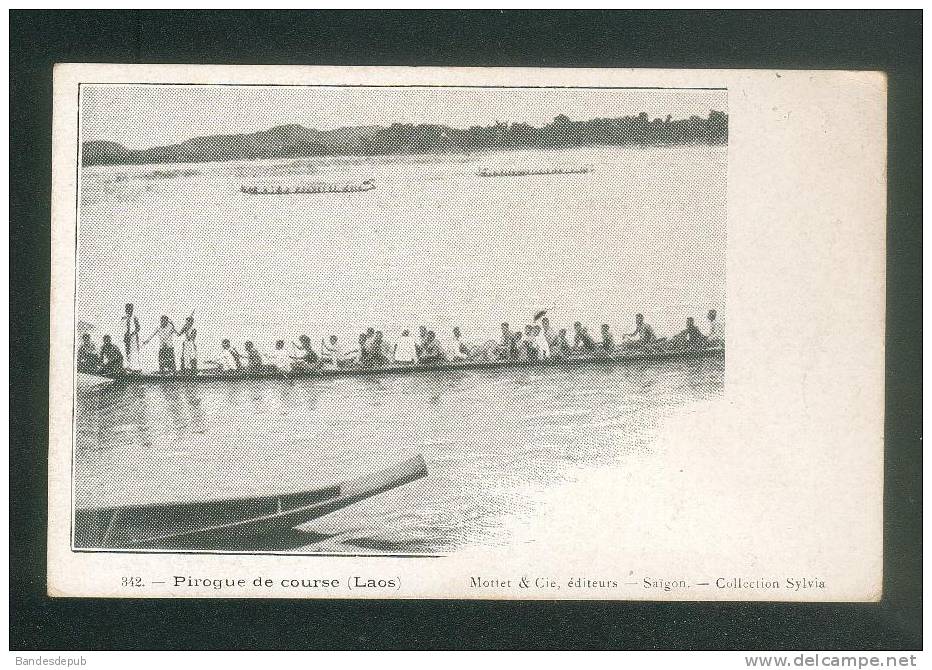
(536, 341)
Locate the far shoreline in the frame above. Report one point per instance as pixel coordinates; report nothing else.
(383, 157)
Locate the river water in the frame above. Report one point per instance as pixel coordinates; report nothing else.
(433, 245)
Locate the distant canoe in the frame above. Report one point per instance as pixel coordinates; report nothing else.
(531, 173)
(311, 189)
(213, 524)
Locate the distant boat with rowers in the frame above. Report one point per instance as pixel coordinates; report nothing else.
(532, 173)
(309, 189)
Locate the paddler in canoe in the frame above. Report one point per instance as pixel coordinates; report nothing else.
(379, 353)
(690, 337)
(405, 349)
(582, 340)
(111, 360)
(561, 346)
(506, 350)
(88, 360)
(431, 352)
(230, 359)
(608, 340)
(530, 350)
(458, 351)
(643, 333)
(421, 340)
(280, 358)
(253, 358)
(330, 353)
(305, 358)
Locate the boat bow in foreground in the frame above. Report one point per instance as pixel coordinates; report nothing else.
(212, 525)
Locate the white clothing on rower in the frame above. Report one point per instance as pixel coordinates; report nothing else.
(542, 345)
(228, 360)
(281, 359)
(405, 351)
(717, 331)
(330, 354)
(189, 352)
(456, 348)
(167, 335)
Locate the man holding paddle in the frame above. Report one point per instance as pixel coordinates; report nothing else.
(130, 325)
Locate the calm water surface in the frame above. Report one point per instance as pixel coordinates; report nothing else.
(433, 245)
(492, 440)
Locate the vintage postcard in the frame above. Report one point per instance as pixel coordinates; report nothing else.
(326, 332)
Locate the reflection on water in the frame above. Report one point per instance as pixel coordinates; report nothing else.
(490, 438)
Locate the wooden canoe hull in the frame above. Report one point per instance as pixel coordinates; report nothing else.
(205, 525)
(659, 357)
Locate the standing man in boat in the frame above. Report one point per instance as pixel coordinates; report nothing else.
(541, 344)
(548, 331)
(166, 333)
(716, 329)
(189, 350)
(130, 327)
(188, 325)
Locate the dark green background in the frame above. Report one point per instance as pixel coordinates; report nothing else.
(889, 41)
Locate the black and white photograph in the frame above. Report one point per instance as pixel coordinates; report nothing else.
(384, 319)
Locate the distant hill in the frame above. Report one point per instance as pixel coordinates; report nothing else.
(289, 141)
(297, 141)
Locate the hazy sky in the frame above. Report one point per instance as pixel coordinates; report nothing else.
(144, 116)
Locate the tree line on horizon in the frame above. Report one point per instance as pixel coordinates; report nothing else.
(296, 141)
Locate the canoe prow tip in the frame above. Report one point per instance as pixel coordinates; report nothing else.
(420, 465)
